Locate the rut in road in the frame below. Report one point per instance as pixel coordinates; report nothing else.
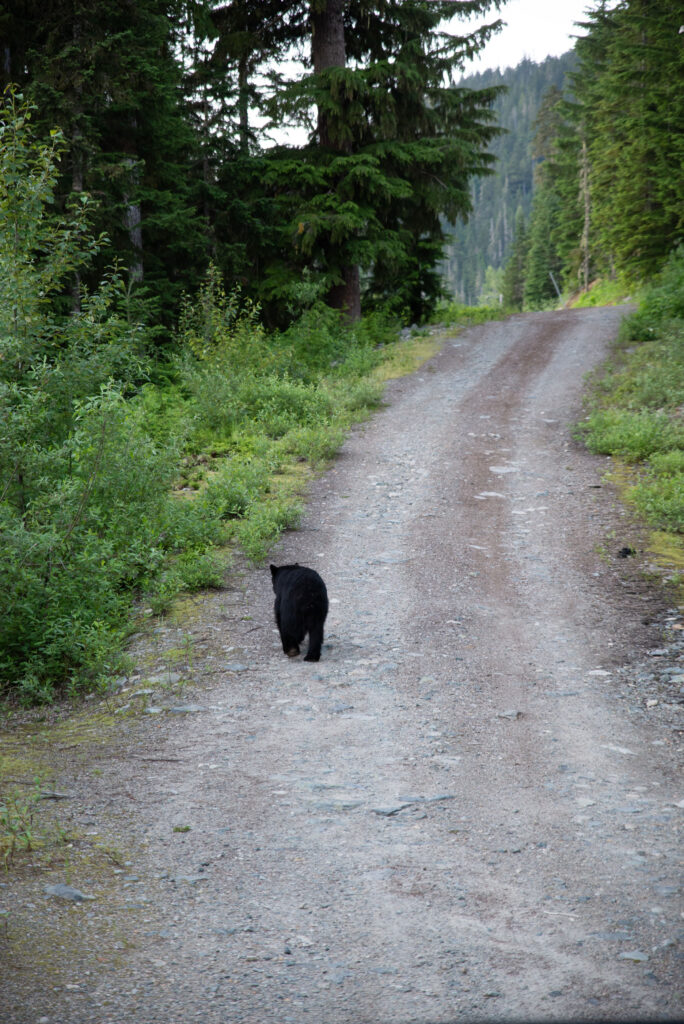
(455, 814)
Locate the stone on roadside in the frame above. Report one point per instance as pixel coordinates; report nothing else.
(66, 892)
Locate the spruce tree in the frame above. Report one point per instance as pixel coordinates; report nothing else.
(392, 147)
(542, 258)
(514, 273)
(487, 235)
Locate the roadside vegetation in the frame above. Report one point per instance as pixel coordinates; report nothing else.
(637, 407)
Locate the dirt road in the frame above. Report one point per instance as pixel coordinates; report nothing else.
(465, 811)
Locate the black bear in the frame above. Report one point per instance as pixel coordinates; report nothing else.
(301, 605)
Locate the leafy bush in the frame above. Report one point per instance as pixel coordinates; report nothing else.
(85, 509)
(263, 399)
(232, 490)
(315, 444)
(261, 528)
(660, 499)
(631, 435)
(455, 314)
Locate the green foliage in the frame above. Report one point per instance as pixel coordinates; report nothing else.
(267, 400)
(664, 299)
(513, 286)
(109, 75)
(603, 292)
(492, 289)
(453, 314)
(639, 400)
(542, 260)
(258, 532)
(629, 102)
(659, 497)
(189, 571)
(85, 509)
(632, 435)
(156, 98)
(317, 445)
(394, 148)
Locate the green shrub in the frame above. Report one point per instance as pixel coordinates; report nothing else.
(83, 512)
(660, 499)
(455, 314)
(631, 435)
(189, 571)
(315, 444)
(263, 525)
(275, 405)
(668, 463)
(236, 485)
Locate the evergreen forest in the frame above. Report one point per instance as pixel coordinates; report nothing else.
(608, 153)
(478, 247)
(214, 219)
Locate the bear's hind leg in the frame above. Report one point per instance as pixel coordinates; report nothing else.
(315, 643)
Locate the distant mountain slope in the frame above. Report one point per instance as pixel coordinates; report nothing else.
(484, 241)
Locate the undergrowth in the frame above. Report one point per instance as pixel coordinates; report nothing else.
(637, 403)
(604, 292)
(454, 314)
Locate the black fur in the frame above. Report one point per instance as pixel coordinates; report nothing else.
(301, 605)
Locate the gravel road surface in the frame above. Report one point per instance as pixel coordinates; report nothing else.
(465, 811)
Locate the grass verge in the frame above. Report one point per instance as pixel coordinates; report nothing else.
(636, 414)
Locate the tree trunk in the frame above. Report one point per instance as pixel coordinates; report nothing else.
(347, 296)
(328, 51)
(586, 203)
(77, 165)
(243, 102)
(132, 217)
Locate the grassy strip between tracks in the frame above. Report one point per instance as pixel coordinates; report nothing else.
(636, 414)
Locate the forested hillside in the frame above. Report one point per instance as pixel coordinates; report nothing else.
(484, 240)
(609, 174)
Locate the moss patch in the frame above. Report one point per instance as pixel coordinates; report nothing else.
(667, 551)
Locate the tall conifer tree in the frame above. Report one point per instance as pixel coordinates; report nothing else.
(392, 146)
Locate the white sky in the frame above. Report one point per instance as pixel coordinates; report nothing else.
(535, 28)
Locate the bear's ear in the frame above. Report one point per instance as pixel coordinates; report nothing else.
(274, 570)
